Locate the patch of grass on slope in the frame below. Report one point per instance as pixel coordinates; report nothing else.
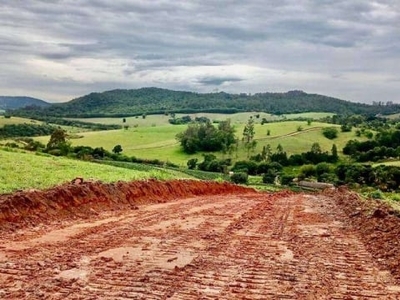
(16, 120)
(19, 170)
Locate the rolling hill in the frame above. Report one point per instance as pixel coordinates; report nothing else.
(9, 102)
(120, 103)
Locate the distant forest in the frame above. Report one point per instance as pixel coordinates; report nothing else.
(121, 103)
(9, 102)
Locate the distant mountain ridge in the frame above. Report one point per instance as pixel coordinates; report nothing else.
(152, 100)
(14, 102)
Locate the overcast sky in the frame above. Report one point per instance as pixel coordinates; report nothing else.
(57, 50)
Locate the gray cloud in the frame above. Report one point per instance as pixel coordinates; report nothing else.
(58, 50)
(218, 81)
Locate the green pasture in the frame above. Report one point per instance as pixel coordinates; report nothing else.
(393, 116)
(293, 141)
(162, 120)
(16, 120)
(237, 118)
(20, 170)
(395, 163)
(308, 115)
(158, 142)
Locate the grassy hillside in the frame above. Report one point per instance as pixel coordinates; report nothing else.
(19, 170)
(154, 100)
(236, 118)
(16, 120)
(158, 142)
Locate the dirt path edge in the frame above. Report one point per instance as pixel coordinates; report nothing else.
(378, 226)
(87, 198)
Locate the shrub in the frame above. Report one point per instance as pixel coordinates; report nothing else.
(269, 177)
(307, 171)
(247, 166)
(240, 178)
(191, 163)
(330, 132)
(376, 195)
(346, 128)
(287, 179)
(322, 168)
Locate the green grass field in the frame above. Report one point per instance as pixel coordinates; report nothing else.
(395, 163)
(158, 142)
(16, 120)
(19, 170)
(238, 118)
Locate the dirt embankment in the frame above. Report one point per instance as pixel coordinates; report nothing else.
(378, 226)
(87, 198)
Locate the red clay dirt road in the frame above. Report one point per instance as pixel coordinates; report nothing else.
(243, 245)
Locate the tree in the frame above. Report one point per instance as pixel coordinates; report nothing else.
(248, 136)
(330, 132)
(280, 156)
(334, 152)
(206, 137)
(322, 171)
(266, 152)
(117, 149)
(316, 148)
(226, 133)
(58, 144)
(191, 163)
(248, 131)
(345, 128)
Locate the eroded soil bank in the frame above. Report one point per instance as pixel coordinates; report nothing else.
(87, 198)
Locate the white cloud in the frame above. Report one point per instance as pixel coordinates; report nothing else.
(58, 50)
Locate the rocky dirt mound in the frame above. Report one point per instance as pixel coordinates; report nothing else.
(83, 199)
(377, 224)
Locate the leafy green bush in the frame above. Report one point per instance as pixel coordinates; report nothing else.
(307, 171)
(287, 179)
(270, 176)
(376, 195)
(330, 132)
(191, 163)
(240, 178)
(246, 166)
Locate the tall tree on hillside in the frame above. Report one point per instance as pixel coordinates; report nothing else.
(248, 136)
(58, 142)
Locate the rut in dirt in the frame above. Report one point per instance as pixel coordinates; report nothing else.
(220, 241)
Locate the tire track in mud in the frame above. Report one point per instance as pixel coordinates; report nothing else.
(244, 246)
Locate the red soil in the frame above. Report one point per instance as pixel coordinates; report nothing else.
(195, 240)
(83, 199)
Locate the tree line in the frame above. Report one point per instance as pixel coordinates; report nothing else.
(120, 103)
